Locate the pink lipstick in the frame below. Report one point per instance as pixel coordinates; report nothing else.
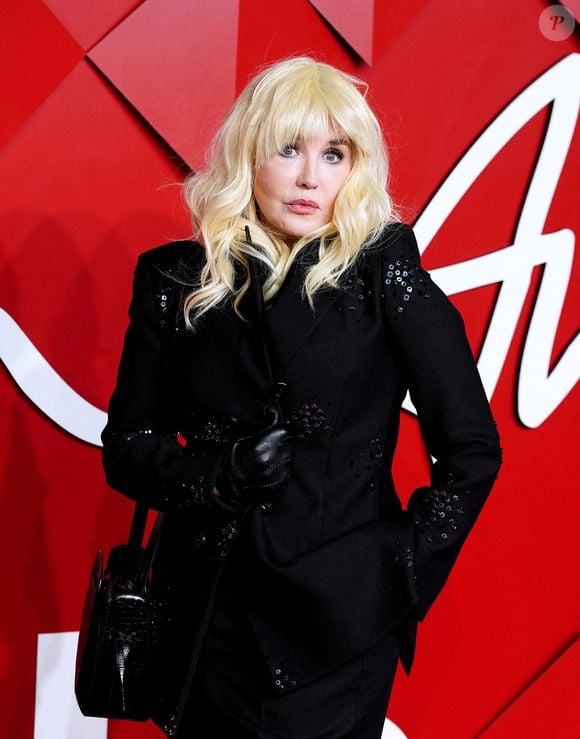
(304, 207)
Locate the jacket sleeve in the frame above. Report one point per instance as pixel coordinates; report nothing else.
(453, 413)
(141, 455)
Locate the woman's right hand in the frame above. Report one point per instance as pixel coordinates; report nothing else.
(256, 469)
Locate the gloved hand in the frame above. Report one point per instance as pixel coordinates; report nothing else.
(256, 469)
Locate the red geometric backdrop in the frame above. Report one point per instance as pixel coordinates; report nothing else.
(105, 106)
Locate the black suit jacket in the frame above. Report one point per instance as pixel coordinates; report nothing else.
(338, 563)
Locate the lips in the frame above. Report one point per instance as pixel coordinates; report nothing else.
(304, 207)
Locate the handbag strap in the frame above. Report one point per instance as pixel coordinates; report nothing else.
(138, 525)
(149, 554)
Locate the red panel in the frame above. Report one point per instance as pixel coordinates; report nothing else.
(175, 62)
(268, 32)
(36, 54)
(391, 19)
(81, 188)
(355, 25)
(573, 6)
(133, 730)
(548, 708)
(89, 21)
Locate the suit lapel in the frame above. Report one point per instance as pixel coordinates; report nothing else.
(292, 321)
(289, 320)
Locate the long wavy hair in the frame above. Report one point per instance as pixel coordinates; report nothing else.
(291, 100)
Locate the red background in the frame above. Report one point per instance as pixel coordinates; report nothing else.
(104, 107)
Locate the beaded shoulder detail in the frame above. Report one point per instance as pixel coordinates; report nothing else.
(404, 280)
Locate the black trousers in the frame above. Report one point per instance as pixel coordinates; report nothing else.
(232, 697)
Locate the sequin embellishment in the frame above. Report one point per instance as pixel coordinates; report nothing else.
(405, 280)
(308, 420)
(282, 680)
(436, 511)
(355, 293)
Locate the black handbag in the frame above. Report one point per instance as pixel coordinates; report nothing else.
(119, 630)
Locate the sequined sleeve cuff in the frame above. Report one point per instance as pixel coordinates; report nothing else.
(154, 468)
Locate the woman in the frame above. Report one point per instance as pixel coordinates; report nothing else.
(280, 344)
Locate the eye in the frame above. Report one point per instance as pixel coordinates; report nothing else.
(333, 156)
(288, 150)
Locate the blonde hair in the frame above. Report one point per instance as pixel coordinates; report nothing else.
(292, 100)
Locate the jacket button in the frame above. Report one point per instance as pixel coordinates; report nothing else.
(280, 389)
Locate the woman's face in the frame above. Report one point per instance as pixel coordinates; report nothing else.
(296, 188)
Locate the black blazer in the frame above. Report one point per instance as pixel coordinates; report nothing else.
(337, 563)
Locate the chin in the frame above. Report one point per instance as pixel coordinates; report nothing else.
(294, 230)
(298, 233)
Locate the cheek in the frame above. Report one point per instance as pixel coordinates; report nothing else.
(339, 182)
(267, 187)
(261, 194)
(267, 197)
(334, 189)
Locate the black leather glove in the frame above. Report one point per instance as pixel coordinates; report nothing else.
(256, 469)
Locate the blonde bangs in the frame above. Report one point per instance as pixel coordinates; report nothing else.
(306, 107)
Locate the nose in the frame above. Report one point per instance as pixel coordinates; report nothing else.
(308, 173)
